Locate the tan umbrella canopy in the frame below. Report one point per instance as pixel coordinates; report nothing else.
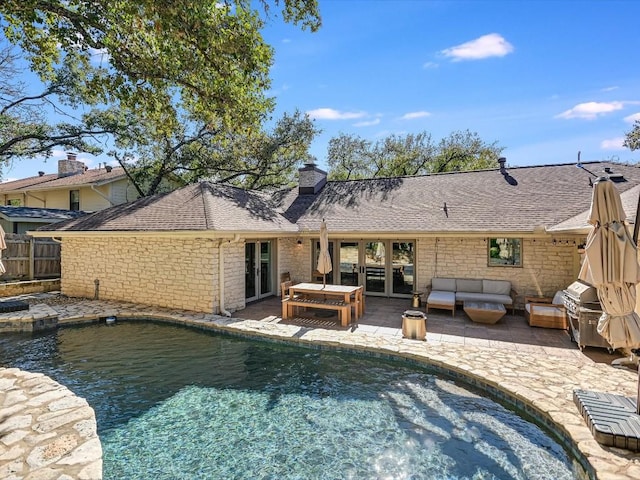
(3, 245)
(611, 265)
(324, 259)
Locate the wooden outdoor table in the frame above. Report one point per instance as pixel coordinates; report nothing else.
(326, 296)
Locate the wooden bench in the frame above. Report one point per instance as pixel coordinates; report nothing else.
(344, 309)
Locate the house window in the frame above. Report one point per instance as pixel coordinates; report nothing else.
(14, 202)
(504, 252)
(74, 200)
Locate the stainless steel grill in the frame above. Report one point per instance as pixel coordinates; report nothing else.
(580, 295)
(584, 311)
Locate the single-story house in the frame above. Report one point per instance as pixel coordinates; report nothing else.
(213, 248)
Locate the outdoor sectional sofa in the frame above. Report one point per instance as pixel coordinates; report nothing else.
(445, 293)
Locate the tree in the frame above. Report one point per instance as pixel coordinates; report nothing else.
(208, 59)
(632, 138)
(351, 157)
(259, 160)
(161, 65)
(25, 130)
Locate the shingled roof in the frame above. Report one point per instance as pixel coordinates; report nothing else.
(52, 181)
(198, 207)
(518, 199)
(36, 214)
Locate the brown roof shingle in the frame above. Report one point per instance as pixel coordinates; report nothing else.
(521, 199)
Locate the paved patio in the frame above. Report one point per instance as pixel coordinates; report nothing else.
(535, 369)
(383, 316)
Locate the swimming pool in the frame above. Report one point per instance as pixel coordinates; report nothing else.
(177, 403)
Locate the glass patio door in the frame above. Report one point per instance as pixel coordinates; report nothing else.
(349, 263)
(375, 267)
(258, 270)
(383, 267)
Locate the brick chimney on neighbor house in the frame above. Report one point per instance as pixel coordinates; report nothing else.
(70, 166)
(311, 179)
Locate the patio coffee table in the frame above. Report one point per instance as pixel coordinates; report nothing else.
(484, 312)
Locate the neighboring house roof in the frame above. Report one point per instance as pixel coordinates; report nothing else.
(518, 199)
(96, 176)
(198, 207)
(23, 183)
(36, 215)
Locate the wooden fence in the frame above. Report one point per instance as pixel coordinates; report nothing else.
(28, 258)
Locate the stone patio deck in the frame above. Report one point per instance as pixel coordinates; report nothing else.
(534, 369)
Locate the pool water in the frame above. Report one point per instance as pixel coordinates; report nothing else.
(178, 403)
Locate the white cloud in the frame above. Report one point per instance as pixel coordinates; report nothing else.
(332, 114)
(613, 144)
(591, 110)
(610, 89)
(428, 65)
(99, 57)
(414, 115)
(367, 123)
(632, 118)
(491, 45)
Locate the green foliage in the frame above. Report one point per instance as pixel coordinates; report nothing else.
(257, 160)
(632, 138)
(351, 157)
(25, 130)
(181, 75)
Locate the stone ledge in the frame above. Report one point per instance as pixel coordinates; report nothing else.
(45, 430)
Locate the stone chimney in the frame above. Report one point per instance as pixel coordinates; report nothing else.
(311, 179)
(70, 166)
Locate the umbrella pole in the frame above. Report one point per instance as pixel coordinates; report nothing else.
(636, 352)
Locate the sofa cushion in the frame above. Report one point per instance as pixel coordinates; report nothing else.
(558, 298)
(468, 285)
(444, 284)
(438, 297)
(500, 287)
(483, 297)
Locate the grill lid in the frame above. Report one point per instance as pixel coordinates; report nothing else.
(582, 292)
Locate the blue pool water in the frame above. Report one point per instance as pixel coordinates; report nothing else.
(176, 403)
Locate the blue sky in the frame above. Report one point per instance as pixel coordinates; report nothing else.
(544, 79)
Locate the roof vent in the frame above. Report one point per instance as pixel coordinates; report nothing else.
(41, 173)
(502, 162)
(108, 168)
(614, 177)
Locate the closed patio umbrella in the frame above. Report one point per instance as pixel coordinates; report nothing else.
(611, 265)
(324, 259)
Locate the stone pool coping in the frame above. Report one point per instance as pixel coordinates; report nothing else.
(541, 387)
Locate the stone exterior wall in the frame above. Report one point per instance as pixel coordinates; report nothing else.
(11, 289)
(165, 272)
(546, 267)
(295, 259)
(234, 277)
